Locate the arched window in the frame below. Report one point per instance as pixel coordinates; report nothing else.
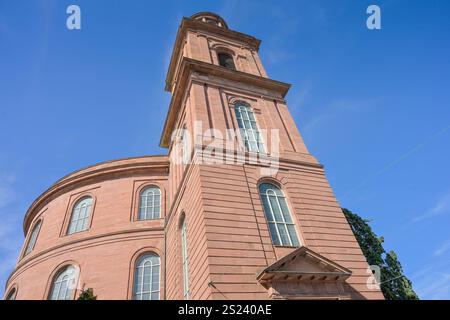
(226, 60)
(248, 128)
(150, 204)
(185, 259)
(63, 284)
(81, 212)
(281, 226)
(146, 277)
(12, 294)
(33, 237)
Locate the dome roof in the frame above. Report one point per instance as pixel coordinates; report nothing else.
(209, 17)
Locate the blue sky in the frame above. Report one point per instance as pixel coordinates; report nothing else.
(372, 106)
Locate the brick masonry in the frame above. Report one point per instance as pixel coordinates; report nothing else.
(229, 243)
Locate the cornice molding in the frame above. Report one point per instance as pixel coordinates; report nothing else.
(93, 174)
(191, 24)
(323, 269)
(184, 78)
(85, 242)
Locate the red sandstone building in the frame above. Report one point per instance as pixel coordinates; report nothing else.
(154, 227)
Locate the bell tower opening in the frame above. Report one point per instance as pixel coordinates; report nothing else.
(226, 60)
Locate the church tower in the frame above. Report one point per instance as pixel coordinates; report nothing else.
(237, 209)
(250, 214)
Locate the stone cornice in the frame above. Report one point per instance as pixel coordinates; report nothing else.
(82, 243)
(302, 160)
(309, 165)
(188, 66)
(94, 173)
(191, 24)
(318, 268)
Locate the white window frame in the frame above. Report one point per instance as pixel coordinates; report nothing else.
(280, 221)
(144, 265)
(80, 215)
(185, 260)
(63, 284)
(149, 203)
(33, 237)
(248, 126)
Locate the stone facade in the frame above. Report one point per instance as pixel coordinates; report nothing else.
(231, 253)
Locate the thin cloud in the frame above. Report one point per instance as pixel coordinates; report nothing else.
(10, 228)
(443, 248)
(10, 242)
(6, 196)
(299, 97)
(432, 281)
(396, 161)
(441, 207)
(6, 191)
(338, 109)
(6, 265)
(435, 286)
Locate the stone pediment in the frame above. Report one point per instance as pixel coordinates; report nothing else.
(303, 264)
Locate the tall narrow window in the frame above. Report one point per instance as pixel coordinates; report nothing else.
(12, 294)
(185, 260)
(281, 226)
(249, 128)
(33, 237)
(81, 212)
(63, 284)
(150, 204)
(146, 277)
(226, 60)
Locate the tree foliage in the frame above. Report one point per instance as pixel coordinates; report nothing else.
(393, 283)
(87, 294)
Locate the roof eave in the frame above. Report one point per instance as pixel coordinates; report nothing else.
(188, 65)
(187, 23)
(340, 274)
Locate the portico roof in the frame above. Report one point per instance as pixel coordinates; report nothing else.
(304, 264)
